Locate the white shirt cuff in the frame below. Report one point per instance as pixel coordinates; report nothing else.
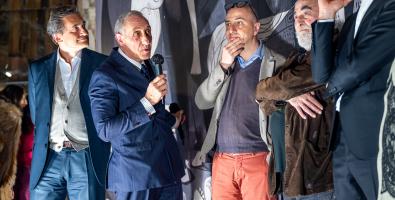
(326, 20)
(147, 105)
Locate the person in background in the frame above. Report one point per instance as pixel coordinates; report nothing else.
(69, 159)
(10, 130)
(238, 130)
(308, 117)
(17, 96)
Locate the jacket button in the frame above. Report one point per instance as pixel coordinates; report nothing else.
(66, 121)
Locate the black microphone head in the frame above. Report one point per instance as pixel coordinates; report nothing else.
(157, 59)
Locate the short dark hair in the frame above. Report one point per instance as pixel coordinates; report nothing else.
(55, 21)
(239, 4)
(12, 94)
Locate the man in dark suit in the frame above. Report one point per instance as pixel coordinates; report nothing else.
(126, 100)
(355, 70)
(68, 157)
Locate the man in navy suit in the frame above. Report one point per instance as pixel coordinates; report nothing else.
(126, 96)
(68, 157)
(355, 70)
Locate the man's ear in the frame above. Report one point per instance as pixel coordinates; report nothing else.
(56, 38)
(257, 25)
(119, 38)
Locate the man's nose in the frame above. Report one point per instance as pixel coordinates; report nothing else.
(232, 28)
(299, 19)
(146, 38)
(83, 32)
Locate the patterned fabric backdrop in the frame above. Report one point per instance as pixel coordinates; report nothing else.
(190, 34)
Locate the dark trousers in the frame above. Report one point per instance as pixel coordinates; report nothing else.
(171, 192)
(354, 178)
(21, 187)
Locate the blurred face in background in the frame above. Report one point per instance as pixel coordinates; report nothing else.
(23, 102)
(306, 12)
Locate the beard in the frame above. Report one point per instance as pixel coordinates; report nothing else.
(304, 39)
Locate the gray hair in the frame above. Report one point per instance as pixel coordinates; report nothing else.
(118, 28)
(55, 21)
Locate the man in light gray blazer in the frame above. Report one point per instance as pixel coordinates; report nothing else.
(238, 129)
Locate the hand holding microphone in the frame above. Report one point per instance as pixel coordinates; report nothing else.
(157, 89)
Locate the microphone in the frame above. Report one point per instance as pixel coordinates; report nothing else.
(173, 108)
(158, 60)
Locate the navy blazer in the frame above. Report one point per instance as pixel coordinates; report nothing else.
(41, 89)
(145, 154)
(358, 67)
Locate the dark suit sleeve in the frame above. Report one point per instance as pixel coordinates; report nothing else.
(369, 54)
(109, 122)
(32, 97)
(322, 51)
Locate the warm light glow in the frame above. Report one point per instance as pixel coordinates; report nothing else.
(8, 74)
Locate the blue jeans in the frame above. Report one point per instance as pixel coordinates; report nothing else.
(68, 173)
(319, 196)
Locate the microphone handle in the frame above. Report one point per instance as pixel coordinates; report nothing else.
(160, 71)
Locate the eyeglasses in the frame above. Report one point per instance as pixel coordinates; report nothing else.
(240, 4)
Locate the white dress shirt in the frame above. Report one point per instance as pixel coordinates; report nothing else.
(147, 105)
(69, 72)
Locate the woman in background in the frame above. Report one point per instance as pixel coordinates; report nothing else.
(17, 96)
(10, 130)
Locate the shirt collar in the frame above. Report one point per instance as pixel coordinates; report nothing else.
(257, 54)
(137, 64)
(76, 58)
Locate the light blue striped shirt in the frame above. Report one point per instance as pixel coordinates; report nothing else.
(257, 54)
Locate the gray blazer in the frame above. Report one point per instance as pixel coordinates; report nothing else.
(211, 94)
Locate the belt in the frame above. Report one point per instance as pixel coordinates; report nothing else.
(243, 154)
(67, 144)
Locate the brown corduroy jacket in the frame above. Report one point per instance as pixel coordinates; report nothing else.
(307, 141)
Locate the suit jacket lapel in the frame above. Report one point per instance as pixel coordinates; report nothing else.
(127, 66)
(50, 66)
(84, 70)
(368, 15)
(346, 36)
